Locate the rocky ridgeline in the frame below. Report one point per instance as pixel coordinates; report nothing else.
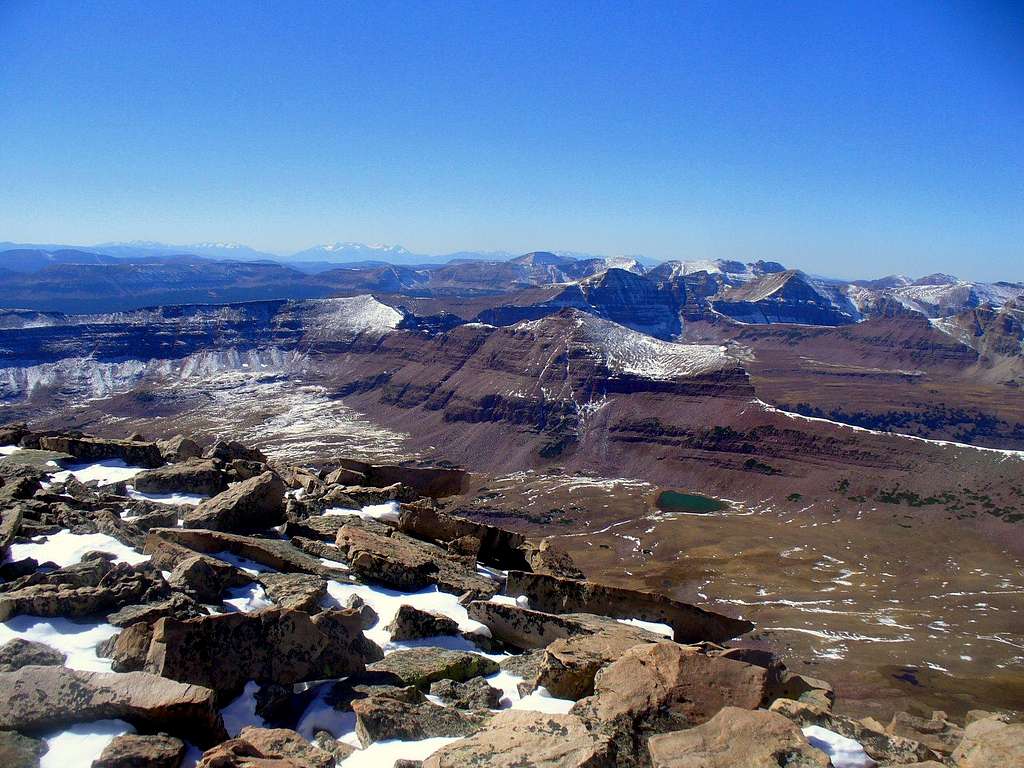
(634, 697)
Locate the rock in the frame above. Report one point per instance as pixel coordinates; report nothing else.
(252, 504)
(938, 734)
(131, 646)
(475, 693)
(405, 563)
(344, 476)
(18, 653)
(570, 664)
(558, 595)
(177, 605)
(338, 749)
(229, 450)
(15, 569)
(299, 591)
(203, 578)
(465, 546)
(436, 482)
(878, 744)
(547, 558)
(423, 666)
(87, 448)
(355, 496)
(282, 743)
(524, 665)
(367, 615)
(121, 585)
(413, 624)
(988, 743)
(11, 434)
(134, 751)
(10, 527)
(515, 739)
(274, 553)
(663, 687)
(974, 715)
(381, 718)
(179, 448)
(17, 751)
(737, 737)
(38, 698)
(161, 518)
(191, 476)
(276, 645)
(498, 546)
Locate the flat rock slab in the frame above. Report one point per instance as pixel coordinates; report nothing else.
(423, 666)
(38, 698)
(515, 738)
(134, 751)
(690, 624)
(299, 591)
(192, 476)
(276, 645)
(382, 718)
(737, 737)
(274, 553)
(140, 454)
(18, 751)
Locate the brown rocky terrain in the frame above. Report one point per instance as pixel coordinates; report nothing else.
(232, 647)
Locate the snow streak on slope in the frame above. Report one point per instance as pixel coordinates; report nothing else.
(334, 318)
(626, 351)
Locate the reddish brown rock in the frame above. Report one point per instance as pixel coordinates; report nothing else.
(252, 504)
(134, 751)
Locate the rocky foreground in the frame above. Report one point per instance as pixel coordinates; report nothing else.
(214, 608)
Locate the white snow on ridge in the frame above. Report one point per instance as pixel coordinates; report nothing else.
(343, 318)
(632, 352)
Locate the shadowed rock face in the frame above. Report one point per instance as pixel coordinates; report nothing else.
(96, 449)
(274, 646)
(38, 698)
(253, 504)
(559, 595)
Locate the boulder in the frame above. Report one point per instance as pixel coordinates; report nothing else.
(498, 546)
(737, 737)
(135, 751)
(276, 645)
(527, 629)
(570, 664)
(62, 593)
(38, 698)
(11, 434)
(338, 749)
(381, 718)
(18, 653)
(405, 563)
(662, 687)
(476, 693)
(131, 646)
(282, 743)
(298, 591)
(878, 744)
(229, 450)
(691, 624)
(177, 605)
(274, 553)
(517, 738)
(18, 751)
(411, 623)
(252, 504)
(990, 742)
(423, 666)
(179, 448)
(367, 616)
(937, 733)
(548, 558)
(85, 448)
(191, 476)
(10, 526)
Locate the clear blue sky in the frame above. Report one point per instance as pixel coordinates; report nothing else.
(855, 138)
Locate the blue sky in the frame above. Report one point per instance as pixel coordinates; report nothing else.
(850, 139)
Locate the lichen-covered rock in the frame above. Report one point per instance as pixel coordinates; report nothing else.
(547, 557)
(737, 737)
(204, 579)
(192, 476)
(229, 450)
(131, 646)
(18, 751)
(179, 448)
(476, 693)
(497, 546)
(252, 504)
(276, 645)
(411, 623)
(38, 698)
(137, 751)
(86, 448)
(423, 666)
(381, 717)
(298, 591)
(990, 742)
(662, 687)
(937, 733)
(177, 605)
(515, 738)
(18, 653)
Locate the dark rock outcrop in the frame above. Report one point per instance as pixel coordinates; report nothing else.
(190, 476)
(422, 666)
(135, 751)
(18, 653)
(85, 448)
(252, 504)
